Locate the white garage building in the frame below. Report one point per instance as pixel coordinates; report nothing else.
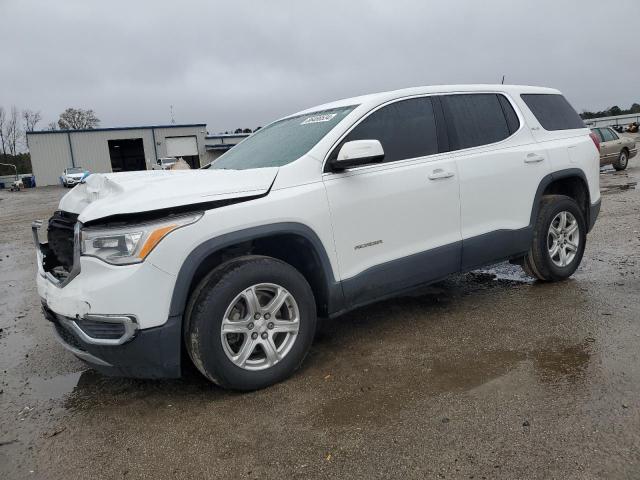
(104, 150)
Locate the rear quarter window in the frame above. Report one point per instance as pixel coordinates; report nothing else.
(553, 111)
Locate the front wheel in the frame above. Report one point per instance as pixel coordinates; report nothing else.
(250, 323)
(622, 162)
(559, 239)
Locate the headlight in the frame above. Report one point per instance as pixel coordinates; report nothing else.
(131, 243)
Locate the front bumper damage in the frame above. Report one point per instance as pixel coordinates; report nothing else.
(113, 344)
(150, 353)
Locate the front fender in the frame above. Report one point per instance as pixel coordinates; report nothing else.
(201, 252)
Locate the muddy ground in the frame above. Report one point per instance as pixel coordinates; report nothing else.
(480, 376)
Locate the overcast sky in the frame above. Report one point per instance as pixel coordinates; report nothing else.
(243, 64)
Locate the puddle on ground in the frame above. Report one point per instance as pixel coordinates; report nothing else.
(53, 388)
(619, 188)
(613, 181)
(383, 396)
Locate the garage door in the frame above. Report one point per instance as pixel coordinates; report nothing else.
(181, 146)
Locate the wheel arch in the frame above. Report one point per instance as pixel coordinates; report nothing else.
(571, 182)
(294, 243)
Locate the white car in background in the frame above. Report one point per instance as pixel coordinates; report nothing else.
(164, 163)
(72, 176)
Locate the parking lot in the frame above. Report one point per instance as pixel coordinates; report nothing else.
(484, 375)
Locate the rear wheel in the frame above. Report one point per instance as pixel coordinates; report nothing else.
(250, 323)
(622, 162)
(559, 239)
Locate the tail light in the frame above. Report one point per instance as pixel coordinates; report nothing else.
(596, 140)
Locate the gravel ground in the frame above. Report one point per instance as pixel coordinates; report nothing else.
(485, 375)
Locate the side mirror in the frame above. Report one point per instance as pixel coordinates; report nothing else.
(358, 152)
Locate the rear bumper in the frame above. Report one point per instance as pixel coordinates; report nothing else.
(151, 353)
(594, 210)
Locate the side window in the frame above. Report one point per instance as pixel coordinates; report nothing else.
(406, 129)
(607, 135)
(598, 133)
(478, 119)
(613, 132)
(553, 111)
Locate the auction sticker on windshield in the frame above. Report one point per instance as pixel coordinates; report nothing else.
(319, 118)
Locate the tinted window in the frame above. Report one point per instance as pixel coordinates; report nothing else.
(406, 129)
(607, 135)
(553, 111)
(476, 119)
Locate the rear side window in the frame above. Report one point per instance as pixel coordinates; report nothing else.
(607, 135)
(478, 119)
(553, 111)
(406, 129)
(598, 133)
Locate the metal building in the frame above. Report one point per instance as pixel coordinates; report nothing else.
(104, 150)
(216, 145)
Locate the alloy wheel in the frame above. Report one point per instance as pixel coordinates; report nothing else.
(563, 239)
(260, 326)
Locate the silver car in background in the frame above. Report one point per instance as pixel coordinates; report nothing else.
(615, 149)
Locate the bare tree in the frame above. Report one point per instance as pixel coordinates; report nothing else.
(12, 131)
(52, 126)
(30, 119)
(77, 118)
(3, 121)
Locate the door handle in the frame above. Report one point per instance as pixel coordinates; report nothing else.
(439, 174)
(533, 158)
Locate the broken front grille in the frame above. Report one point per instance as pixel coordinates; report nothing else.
(59, 252)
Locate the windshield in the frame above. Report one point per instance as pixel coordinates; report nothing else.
(74, 170)
(281, 142)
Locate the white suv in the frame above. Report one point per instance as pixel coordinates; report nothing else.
(316, 214)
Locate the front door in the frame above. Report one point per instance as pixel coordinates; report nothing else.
(396, 224)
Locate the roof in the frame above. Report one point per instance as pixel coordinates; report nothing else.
(381, 97)
(227, 135)
(110, 129)
(220, 146)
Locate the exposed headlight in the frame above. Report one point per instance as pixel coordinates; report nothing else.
(131, 243)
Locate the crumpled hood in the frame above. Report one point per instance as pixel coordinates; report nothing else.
(103, 195)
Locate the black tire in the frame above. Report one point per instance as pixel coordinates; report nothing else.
(209, 302)
(623, 160)
(538, 263)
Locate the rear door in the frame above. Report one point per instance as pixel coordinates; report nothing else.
(610, 146)
(397, 223)
(500, 167)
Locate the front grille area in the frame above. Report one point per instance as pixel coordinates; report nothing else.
(101, 330)
(60, 236)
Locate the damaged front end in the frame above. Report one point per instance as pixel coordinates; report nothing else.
(59, 256)
(59, 263)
